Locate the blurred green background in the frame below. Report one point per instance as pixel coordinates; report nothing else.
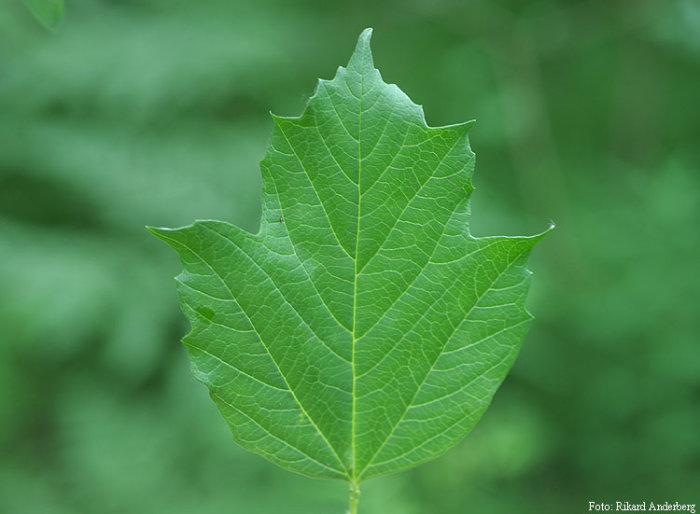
(155, 112)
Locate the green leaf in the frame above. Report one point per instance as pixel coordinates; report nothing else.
(49, 12)
(362, 330)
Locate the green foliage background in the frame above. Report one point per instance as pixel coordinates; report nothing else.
(155, 112)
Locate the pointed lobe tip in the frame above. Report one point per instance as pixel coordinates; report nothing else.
(361, 60)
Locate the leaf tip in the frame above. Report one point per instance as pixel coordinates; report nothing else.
(159, 232)
(544, 233)
(551, 227)
(465, 125)
(277, 119)
(361, 60)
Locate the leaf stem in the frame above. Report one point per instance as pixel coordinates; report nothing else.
(354, 496)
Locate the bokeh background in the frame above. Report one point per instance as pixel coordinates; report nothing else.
(156, 112)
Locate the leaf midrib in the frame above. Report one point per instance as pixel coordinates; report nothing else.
(353, 468)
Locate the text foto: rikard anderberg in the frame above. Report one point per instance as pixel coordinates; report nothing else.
(627, 506)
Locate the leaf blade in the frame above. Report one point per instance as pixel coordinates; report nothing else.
(376, 325)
